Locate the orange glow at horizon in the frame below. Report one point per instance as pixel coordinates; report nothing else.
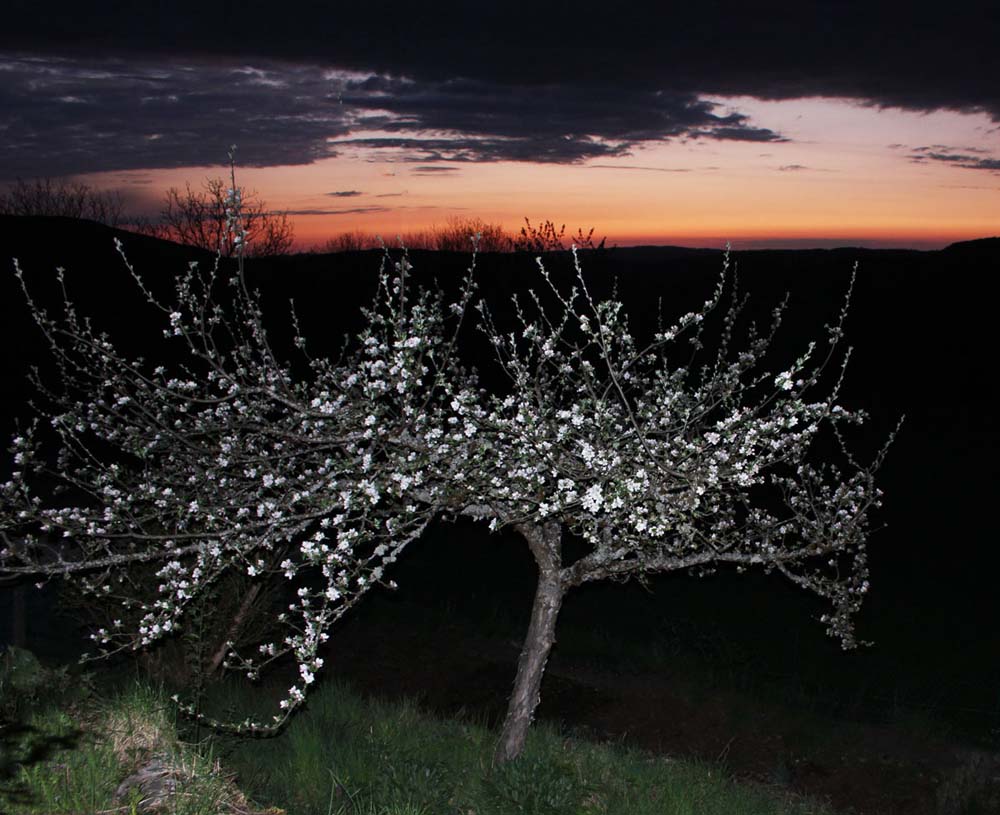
(848, 173)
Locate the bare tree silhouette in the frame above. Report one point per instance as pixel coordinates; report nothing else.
(44, 196)
(199, 219)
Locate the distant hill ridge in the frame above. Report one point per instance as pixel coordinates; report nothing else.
(52, 231)
(979, 245)
(54, 237)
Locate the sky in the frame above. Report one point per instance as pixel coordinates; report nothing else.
(768, 124)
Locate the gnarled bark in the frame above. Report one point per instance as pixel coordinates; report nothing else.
(545, 544)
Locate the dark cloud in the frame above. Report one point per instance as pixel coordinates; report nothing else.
(938, 148)
(646, 169)
(344, 194)
(435, 170)
(123, 85)
(63, 115)
(885, 52)
(943, 157)
(982, 164)
(740, 134)
(959, 157)
(355, 211)
(531, 147)
(794, 168)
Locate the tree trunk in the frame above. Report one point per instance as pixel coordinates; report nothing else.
(215, 663)
(545, 545)
(19, 616)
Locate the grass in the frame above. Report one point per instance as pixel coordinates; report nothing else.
(71, 757)
(54, 768)
(345, 755)
(341, 756)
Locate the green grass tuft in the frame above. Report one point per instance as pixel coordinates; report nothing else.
(342, 756)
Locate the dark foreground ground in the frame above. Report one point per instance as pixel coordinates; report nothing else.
(733, 670)
(858, 767)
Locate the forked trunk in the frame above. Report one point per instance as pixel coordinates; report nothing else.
(537, 644)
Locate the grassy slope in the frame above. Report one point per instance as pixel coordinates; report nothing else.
(344, 755)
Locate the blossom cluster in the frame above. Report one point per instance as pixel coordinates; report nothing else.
(661, 466)
(234, 459)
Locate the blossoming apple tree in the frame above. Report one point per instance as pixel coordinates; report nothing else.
(321, 473)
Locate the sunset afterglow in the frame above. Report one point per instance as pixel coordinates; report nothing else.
(808, 147)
